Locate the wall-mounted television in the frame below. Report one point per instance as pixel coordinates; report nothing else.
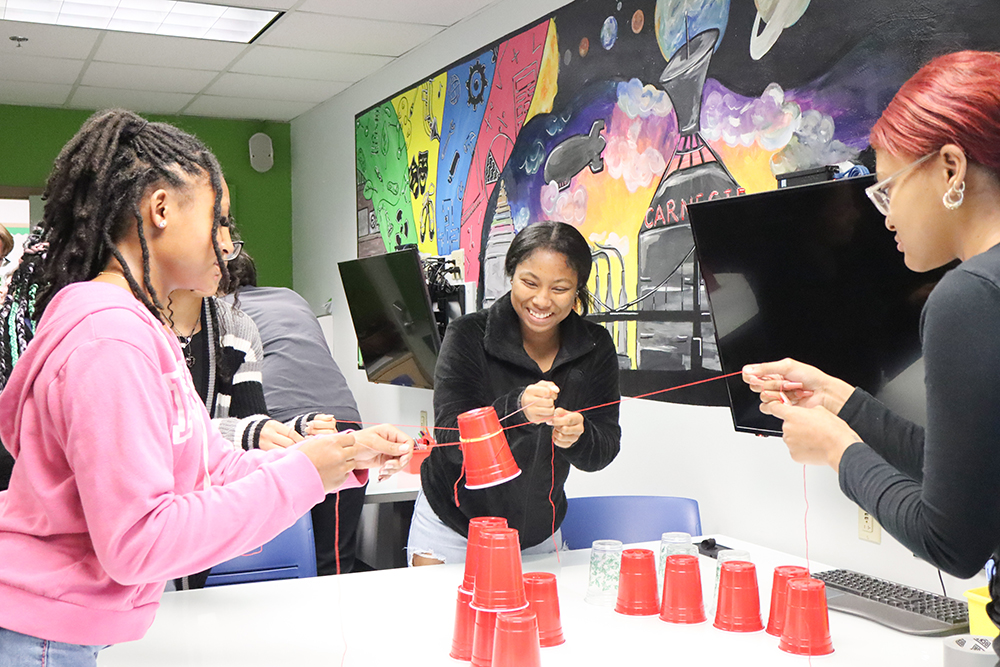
(812, 273)
(391, 310)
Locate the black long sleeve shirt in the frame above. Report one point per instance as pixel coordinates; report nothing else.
(937, 490)
(482, 362)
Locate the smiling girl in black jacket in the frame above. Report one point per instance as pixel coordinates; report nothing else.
(533, 357)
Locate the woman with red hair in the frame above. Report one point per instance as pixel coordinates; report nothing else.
(935, 489)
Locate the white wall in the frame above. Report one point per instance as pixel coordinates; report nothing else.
(748, 487)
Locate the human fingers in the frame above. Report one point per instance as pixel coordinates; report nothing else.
(816, 436)
(393, 434)
(334, 457)
(563, 418)
(322, 424)
(378, 451)
(274, 434)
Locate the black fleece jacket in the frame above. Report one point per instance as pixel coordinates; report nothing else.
(482, 362)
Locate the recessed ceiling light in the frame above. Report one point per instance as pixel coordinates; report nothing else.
(154, 17)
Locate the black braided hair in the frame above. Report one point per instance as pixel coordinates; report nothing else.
(92, 197)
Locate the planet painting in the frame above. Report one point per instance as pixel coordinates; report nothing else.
(637, 20)
(609, 33)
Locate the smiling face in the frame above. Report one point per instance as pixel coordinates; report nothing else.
(543, 292)
(916, 215)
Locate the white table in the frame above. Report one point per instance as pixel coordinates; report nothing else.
(401, 486)
(405, 617)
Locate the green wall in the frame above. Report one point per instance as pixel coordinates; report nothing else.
(31, 137)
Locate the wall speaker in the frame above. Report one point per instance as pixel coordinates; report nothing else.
(261, 152)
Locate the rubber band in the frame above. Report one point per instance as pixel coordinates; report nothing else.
(480, 438)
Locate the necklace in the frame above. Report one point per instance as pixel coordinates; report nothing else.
(116, 274)
(185, 343)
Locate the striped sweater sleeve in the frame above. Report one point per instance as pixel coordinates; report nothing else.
(240, 410)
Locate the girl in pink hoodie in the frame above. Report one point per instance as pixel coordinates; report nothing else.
(121, 480)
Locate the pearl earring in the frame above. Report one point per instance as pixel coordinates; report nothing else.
(954, 197)
(163, 223)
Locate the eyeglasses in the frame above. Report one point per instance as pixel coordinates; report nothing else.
(879, 193)
(237, 249)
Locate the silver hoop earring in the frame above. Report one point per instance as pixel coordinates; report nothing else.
(954, 197)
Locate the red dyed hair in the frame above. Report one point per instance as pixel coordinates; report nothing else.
(953, 99)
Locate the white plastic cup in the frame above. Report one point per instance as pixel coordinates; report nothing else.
(674, 543)
(605, 567)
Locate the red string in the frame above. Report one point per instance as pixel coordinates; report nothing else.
(593, 407)
(552, 487)
(805, 528)
(805, 518)
(336, 531)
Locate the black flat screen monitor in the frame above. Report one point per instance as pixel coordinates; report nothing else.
(391, 309)
(811, 273)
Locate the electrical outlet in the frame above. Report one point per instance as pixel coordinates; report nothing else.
(869, 529)
(423, 418)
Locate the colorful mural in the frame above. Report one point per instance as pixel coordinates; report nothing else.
(614, 116)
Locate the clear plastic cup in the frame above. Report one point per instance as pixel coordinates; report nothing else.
(605, 567)
(674, 543)
(720, 558)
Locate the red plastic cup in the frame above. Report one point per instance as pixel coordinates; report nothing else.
(543, 599)
(807, 624)
(499, 582)
(465, 627)
(637, 594)
(487, 457)
(779, 596)
(682, 601)
(515, 643)
(738, 608)
(482, 639)
(413, 467)
(476, 526)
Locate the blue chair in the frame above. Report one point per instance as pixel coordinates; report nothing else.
(627, 518)
(290, 555)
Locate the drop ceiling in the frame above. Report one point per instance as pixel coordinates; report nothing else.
(314, 51)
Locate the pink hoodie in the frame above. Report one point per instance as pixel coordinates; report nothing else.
(121, 481)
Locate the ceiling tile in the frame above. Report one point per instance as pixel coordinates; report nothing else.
(142, 101)
(439, 12)
(143, 77)
(282, 5)
(275, 88)
(305, 30)
(34, 94)
(321, 65)
(252, 109)
(51, 41)
(161, 51)
(15, 67)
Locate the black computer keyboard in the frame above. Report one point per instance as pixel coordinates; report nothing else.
(899, 607)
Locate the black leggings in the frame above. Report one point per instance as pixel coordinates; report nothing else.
(324, 517)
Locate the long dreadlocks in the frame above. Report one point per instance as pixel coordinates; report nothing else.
(92, 197)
